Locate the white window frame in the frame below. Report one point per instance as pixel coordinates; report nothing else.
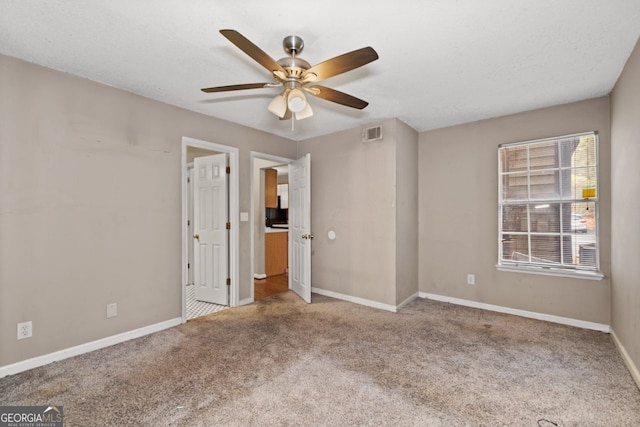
(574, 271)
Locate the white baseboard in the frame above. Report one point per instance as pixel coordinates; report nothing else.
(408, 300)
(523, 313)
(35, 362)
(633, 369)
(259, 276)
(245, 301)
(355, 300)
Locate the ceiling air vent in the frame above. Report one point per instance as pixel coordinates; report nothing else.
(372, 134)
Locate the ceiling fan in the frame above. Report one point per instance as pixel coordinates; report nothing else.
(296, 76)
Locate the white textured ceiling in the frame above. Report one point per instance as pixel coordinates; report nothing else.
(442, 62)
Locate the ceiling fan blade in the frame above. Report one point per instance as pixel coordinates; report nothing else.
(337, 97)
(340, 64)
(235, 87)
(252, 50)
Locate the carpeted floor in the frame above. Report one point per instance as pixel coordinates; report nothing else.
(280, 362)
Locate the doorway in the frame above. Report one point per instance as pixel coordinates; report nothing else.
(192, 148)
(277, 234)
(195, 306)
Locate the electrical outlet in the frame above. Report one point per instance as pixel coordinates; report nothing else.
(112, 310)
(471, 279)
(25, 330)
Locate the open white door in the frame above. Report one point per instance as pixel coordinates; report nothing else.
(300, 227)
(211, 237)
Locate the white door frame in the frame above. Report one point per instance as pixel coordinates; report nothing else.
(189, 207)
(234, 216)
(263, 156)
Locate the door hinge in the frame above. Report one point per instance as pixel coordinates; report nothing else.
(188, 265)
(228, 169)
(228, 226)
(188, 180)
(188, 223)
(228, 281)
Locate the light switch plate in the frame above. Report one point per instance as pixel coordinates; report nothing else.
(244, 216)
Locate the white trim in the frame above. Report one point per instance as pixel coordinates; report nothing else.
(573, 274)
(262, 156)
(259, 276)
(234, 215)
(408, 300)
(35, 362)
(633, 369)
(245, 301)
(189, 213)
(522, 313)
(356, 300)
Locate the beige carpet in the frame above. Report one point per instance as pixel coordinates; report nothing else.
(281, 362)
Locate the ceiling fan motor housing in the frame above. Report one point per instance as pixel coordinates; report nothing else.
(294, 66)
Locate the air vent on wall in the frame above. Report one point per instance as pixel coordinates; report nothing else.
(372, 134)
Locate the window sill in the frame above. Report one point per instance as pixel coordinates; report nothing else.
(589, 275)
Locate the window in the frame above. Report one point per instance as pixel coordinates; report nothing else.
(548, 205)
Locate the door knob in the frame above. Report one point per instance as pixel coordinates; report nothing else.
(195, 236)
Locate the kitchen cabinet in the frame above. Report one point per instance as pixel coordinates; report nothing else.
(276, 252)
(270, 188)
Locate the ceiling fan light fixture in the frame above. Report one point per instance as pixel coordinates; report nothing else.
(278, 106)
(307, 112)
(296, 101)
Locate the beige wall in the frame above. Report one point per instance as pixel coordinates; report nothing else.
(353, 194)
(459, 216)
(406, 212)
(193, 152)
(625, 208)
(90, 206)
(90, 209)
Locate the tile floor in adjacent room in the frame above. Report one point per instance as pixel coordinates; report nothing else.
(263, 288)
(197, 308)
